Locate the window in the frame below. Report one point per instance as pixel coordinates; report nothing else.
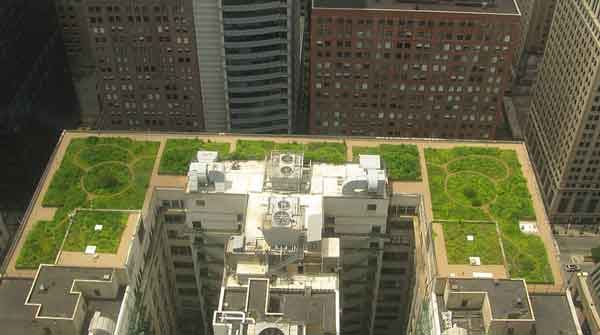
(141, 232)
(184, 265)
(376, 229)
(200, 203)
(174, 219)
(185, 278)
(97, 292)
(192, 291)
(181, 251)
(374, 245)
(197, 224)
(371, 207)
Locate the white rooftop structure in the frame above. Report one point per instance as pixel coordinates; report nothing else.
(208, 175)
(364, 179)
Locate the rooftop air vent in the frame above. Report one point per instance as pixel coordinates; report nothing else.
(287, 171)
(287, 158)
(282, 219)
(271, 331)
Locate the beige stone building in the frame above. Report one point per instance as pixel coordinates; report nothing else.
(562, 129)
(539, 26)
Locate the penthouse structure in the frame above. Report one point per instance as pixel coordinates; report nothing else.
(411, 68)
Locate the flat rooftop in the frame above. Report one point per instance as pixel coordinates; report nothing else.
(470, 6)
(15, 316)
(53, 289)
(39, 213)
(553, 315)
(507, 297)
(268, 303)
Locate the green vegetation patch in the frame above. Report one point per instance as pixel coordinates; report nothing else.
(179, 153)
(470, 189)
(93, 155)
(401, 161)
(125, 189)
(499, 194)
(485, 243)
(326, 152)
(107, 178)
(83, 233)
(488, 166)
(42, 244)
(252, 150)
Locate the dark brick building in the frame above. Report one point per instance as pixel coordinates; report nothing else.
(134, 63)
(410, 68)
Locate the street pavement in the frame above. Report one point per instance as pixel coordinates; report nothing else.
(572, 250)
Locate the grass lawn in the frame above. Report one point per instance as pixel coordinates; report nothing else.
(107, 178)
(116, 173)
(470, 183)
(326, 152)
(484, 245)
(401, 161)
(179, 153)
(82, 233)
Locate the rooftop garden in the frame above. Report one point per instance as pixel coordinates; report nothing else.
(325, 152)
(83, 232)
(401, 160)
(179, 153)
(487, 184)
(95, 172)
(464, 240)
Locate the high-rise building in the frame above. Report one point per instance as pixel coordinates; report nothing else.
(527, 9)
(184, 65)
(410, 68)
(36, 89)
(134, 64)
(562, 128)
(539, 27)
(248, 63)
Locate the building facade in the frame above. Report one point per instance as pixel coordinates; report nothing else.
(134, 64)
(527, 9)
(248, 63)
(539, 28)
(138, 65)
(36, 89)
(562, 128)
(399, 69)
